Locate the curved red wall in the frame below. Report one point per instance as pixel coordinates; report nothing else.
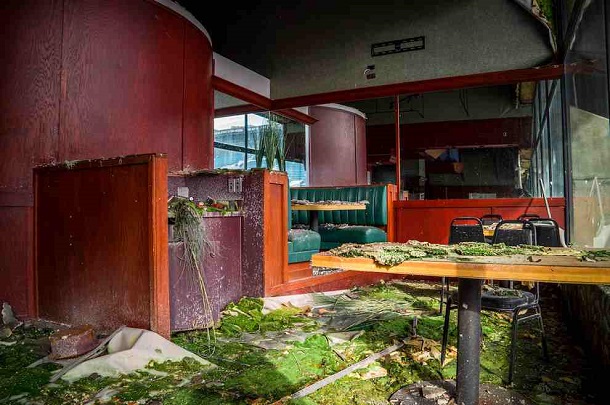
(337, 148)
(84, 79)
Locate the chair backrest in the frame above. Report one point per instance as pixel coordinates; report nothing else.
(547, 232)
(466, 229)
(515, 232)
(527, 217)
(489, 219)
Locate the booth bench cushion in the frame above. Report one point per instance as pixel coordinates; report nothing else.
(302, 243)
(333, 236)
(375, 214)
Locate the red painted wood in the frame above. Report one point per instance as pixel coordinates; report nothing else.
(101, 244)
(424, 86)
(237, 110)
(29, 89)
(29, 121)
(397, 147)
(334, 158)
(275, 220)
(122, 85)
(241, 93)
(497, 132)
(429, 220)
(115, 68)
(16, 261)
(297, 116)
(431, 224)
(293, 114)
(198, 118)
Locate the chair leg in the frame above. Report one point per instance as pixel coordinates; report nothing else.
(513, 347)
(445, 331)
(440, 310)
(545, 350)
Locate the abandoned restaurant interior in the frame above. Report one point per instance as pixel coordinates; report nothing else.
(304, 202)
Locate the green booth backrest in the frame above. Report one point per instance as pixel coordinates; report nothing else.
(375, 214)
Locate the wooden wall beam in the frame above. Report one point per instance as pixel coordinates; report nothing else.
(424, 86)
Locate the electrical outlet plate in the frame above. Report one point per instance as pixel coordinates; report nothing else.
(238, 184)
(231, 185)
(183, 192)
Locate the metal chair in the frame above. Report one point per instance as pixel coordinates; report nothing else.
(461, 229)
(547, 232)
(515, 232)
(518, 305)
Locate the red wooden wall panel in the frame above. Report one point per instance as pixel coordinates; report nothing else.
(16, 258)
(429, 220)
(275, 220)
(30, 31)
(86, 79)
(198, 119)
(122, 84)
(431, 224)
(98, 231)
(29, 89)
(335, 153)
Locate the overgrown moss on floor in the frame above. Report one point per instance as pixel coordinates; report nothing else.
(250, 375)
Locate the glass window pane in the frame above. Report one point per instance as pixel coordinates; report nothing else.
(228, 159)
(587, 95)
(230, 130)
(556, 129)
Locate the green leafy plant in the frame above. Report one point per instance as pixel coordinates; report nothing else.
(270, 144)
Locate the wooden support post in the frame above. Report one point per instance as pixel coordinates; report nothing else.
(397, 126)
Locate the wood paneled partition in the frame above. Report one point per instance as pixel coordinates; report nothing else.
(429, 220)
(89, 79)
(275, 249)
(101, 243)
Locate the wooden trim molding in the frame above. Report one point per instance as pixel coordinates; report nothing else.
(159, 276)
(255, 103)
(392, 196)
(290, 113)
(275, 232)
(241, 93)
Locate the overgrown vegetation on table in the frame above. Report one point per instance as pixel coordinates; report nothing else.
(392, 254)
(264, 356)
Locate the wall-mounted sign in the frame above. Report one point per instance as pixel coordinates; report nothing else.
(399, 45)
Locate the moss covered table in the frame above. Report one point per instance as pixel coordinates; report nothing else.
(536, 265)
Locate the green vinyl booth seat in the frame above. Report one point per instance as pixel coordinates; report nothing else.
(336, 236)
(362, 225)
(302, 243)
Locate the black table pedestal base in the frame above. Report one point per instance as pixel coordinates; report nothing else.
(469, 341)
(443, 393)
(314, 222)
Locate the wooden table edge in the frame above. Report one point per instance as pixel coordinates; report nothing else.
(552, 273)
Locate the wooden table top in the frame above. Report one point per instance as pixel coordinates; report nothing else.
(555, 269)
(328, 207)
